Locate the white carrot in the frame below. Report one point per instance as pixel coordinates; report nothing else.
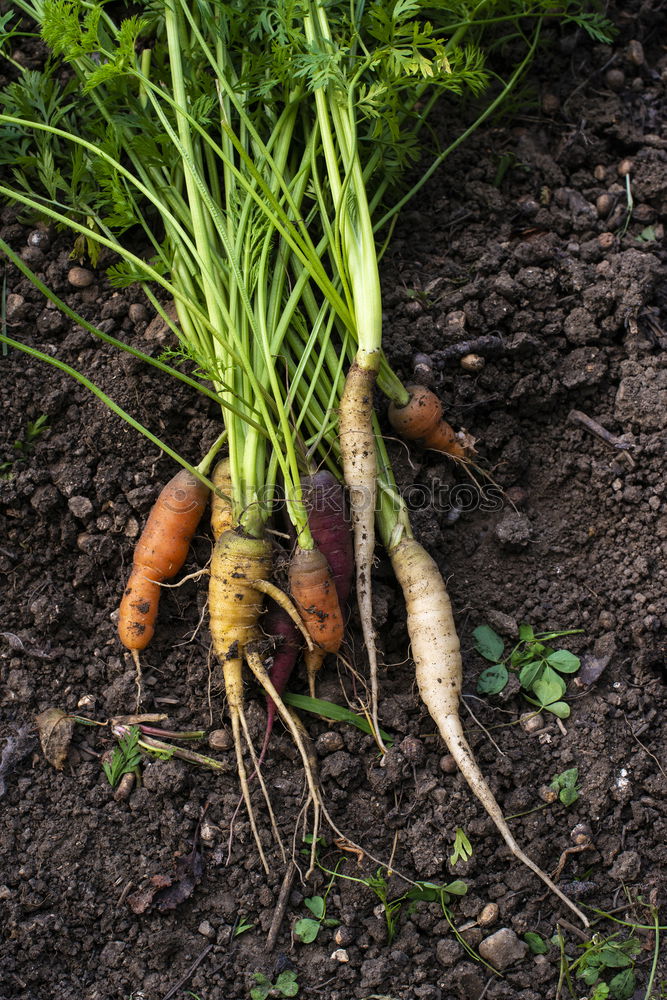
(437, 656)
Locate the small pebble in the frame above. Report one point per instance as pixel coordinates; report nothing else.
(527, 205)
(414, 307)
(455, 323)
(81, 507)
(643, 213)
(137, 312)
(131, 529)
(340, 955)
(329, 742)
(158, 329)
(489, 915)
(636, 52)
(80, 277)
(604, 204)
(502, 623)
(448, 764)
(14, 304)
(624, 167)
(503, 949)
(472, 362)
(412, 749)
(532, 723)
(615, 79)
(220, 739)
(86, 701)
(207, 832)
(39, 238)
(547, 794)
(206, 930)
(423, 372)
(84, 541)
(581, 834)
(33, 256)
(600, 172)
(344, 936)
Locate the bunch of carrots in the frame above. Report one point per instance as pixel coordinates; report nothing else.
(255, 152)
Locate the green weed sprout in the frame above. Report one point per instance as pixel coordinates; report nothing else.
(538, 666)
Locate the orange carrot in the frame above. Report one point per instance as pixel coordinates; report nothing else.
(313, 589)
(421, 421)
(159, 554)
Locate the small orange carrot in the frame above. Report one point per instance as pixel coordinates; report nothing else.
(313, 589)
(421, 421)
(159, 554)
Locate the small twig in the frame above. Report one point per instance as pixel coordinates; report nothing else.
(593, 427)
(572, 929)
(281, 907)
(124, 893)
(486, 988)
(193, 968)
(483, 728)
(645, 748)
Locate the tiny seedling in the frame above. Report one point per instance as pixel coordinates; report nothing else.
(125, 757)
(538, 666)
(241, 928)
(23, 446)
(607, 965)
(307, 929)
(462, 848)
(420, 892)
(286, 985)
(566, 785)
(648, 235)
(536, 943)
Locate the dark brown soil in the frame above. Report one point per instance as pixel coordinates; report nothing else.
(510, 239)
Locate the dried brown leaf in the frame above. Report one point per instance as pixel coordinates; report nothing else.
(165, 892)
(55, 730)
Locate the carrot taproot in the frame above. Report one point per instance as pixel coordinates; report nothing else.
(421, 420)
(240, 568)
(357, 450)
(324, 499)
(235, 606)
(438, 670)
(158, 555)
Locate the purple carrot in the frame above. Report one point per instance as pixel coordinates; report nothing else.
(329, 522)
(278, 625)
